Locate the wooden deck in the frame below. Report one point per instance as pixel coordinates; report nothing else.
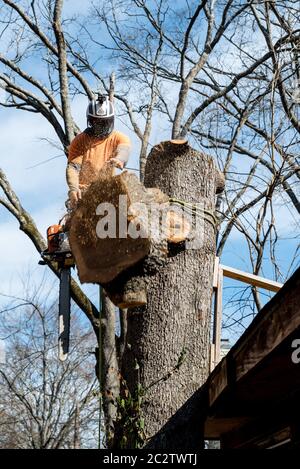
(254, 392)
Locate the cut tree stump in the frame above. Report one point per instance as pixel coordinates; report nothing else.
(167, 340)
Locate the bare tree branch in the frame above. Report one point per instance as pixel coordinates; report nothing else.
(63, 71)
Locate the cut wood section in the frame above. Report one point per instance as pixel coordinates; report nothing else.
(176, 228)
(101, 259)
(130, 299)
(179, 142)
(126, 238)
(174, 147)
(252, 279)
(109, 234)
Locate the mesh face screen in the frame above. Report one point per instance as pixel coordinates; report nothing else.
(101, 127)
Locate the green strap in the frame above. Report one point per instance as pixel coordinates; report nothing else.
(192, 209)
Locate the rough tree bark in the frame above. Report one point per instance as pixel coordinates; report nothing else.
(167, 349)
(108, 368)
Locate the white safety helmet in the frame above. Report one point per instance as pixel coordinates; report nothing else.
(100, 115)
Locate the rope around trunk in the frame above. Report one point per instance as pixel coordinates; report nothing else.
(193, 209)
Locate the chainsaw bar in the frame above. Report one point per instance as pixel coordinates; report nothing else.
(64, 261)
(58, 251)
(64, 313)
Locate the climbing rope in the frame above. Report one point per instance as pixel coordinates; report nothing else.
(195, 210)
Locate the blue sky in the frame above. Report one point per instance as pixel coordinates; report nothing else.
(42, 189)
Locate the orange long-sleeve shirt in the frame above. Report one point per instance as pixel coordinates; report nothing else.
(92, 153)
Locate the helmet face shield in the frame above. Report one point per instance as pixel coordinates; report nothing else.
(100, 116)
(101, 127)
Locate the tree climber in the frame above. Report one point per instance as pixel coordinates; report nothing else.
(90, 151)
(97, 146)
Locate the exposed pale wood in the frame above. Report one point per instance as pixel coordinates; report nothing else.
(217, 327)
(252, 279)
(212, 357)
(176, 228)
(179, 142)
(126, 292)
(133, 300)
(216, 272)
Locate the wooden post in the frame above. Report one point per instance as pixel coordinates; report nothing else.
(215, 287)
(218, 316)
(221, 271)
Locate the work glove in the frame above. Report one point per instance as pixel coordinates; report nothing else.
(116, 163)
(74, 197)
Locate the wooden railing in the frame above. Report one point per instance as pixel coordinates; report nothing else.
(221, 271)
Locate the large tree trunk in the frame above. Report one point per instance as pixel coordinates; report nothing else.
(167, 352)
